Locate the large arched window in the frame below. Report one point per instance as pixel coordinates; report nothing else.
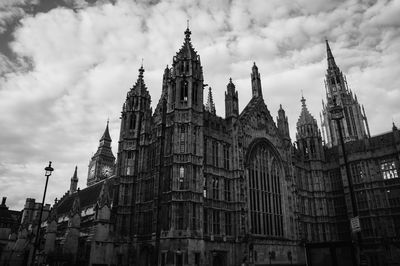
(265, 172)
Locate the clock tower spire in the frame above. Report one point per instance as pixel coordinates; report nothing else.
(102, 164)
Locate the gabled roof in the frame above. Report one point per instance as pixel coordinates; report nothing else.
(255, 104)
(88, 197)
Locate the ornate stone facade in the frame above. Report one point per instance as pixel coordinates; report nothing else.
(192, 188)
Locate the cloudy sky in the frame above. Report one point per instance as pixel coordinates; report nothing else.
(66, 66)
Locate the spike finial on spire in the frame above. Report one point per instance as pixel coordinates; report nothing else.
(187, 32)
(141, 70)
(303, 101)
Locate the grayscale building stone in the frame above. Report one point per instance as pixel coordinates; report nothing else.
(190, 187)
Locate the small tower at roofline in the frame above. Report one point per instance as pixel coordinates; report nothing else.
(355, 124)
(74, 182)
(255, 82)
(185, 85)
(210, 106)
(136, 119)
(231, 101)
(102, 164)
(283, 124)
(308, 136)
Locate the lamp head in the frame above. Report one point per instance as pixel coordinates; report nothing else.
(48, 170)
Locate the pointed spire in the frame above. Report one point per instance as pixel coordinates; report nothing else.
(281, 111)
(75, 176)
(74, 181)
(106, 134)
(210, 102)
(76, 205)
(331, 59)
(394, 127)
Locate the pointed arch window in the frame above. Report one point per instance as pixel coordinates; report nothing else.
(132, 123)
(194, 93)
(215, 187)
(184, 90)
(265, 173)
(182, 177)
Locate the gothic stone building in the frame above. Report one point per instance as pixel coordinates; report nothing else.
(200, 189)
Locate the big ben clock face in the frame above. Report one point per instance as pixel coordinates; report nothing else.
(106, 171)
(91, 171)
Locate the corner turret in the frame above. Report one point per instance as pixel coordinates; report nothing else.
(308, 136)
(283, 124)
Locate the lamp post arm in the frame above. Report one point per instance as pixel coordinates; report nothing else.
(346, 164)
(39, 222)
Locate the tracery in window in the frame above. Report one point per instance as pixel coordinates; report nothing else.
(182, 139)
(265, 193)
(184, 90)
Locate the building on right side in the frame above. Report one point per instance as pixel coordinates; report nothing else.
(324, 204)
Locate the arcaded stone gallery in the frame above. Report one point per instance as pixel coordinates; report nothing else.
(189, 187)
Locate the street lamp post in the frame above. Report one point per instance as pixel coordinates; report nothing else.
(337, 115)
(48, 170)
